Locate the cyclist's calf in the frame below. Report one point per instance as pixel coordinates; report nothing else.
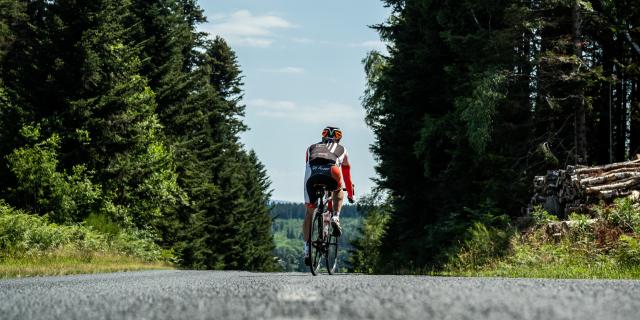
(307, 221)
(338, 198)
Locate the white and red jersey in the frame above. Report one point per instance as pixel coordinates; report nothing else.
(331, 153)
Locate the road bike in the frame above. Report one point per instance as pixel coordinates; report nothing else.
(322, 242)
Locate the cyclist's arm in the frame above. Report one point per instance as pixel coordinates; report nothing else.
(346, 174)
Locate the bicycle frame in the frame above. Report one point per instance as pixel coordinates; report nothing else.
(321, 245)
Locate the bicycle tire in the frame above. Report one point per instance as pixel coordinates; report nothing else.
(316, 244)
(331, 257)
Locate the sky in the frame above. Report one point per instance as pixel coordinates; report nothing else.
(301, 62)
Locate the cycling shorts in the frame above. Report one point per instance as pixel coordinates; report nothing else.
(329, 176)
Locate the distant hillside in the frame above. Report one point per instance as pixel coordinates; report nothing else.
(280, 202)
(291, 210)
(287, 234)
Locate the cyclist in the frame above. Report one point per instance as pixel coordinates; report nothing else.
(327, 163)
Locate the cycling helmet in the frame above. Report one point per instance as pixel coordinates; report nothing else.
(331, 134)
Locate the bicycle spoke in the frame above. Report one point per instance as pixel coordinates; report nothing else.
(331, 257)
(316, 247)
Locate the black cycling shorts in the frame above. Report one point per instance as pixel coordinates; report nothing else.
(328, 176)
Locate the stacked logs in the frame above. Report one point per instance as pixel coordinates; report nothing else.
(564, 191)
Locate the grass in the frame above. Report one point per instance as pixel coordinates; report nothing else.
(32, 246)
(608, 248)
(61, 263)
(556, 261)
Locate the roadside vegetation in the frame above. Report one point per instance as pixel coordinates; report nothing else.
(30, 245)
(120, 148)
(473, 99)
(604, 244)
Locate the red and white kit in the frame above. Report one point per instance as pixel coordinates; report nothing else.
(327, 164)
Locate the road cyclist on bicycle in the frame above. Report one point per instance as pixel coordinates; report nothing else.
(327, 164)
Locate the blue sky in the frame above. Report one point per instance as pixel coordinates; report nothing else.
(301, 62)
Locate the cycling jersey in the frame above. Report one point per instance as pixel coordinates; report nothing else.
(326, 164)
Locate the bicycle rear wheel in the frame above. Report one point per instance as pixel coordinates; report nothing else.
(331, 258)
(316, 246)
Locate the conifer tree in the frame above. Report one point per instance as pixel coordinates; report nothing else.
(143, 115)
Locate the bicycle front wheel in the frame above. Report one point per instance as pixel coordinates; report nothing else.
(316, 246)
(332, 254)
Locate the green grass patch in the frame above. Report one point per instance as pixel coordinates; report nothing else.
(564, 260)
(603, 245)
(32, 246)
(64, 263)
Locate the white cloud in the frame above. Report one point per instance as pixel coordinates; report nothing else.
(286, 70)
(216, 16)
(251, 42)
(320, 113)
(371, 44)
(272, 105)
(244, 28)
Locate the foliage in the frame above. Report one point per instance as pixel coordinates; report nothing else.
(541, 216)
(25, 234)
(483, 95)
(64, 262)
(628, 252)
(366, 248)
(482, 245)
(45, 190)
(478, 110)
(625, 214)
(589, 249)
(291, 210)
(288, 243)
(130, 120)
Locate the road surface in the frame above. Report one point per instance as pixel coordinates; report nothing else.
(243, 295)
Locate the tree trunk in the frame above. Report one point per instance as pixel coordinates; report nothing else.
(621, 126)
(634, 139)
(580, 112)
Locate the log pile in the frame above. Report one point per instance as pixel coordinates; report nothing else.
(564, 191)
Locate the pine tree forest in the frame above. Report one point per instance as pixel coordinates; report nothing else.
(474, 98)
(121, 114)
(122, 117)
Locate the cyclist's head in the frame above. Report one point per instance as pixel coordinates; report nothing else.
(331, 134)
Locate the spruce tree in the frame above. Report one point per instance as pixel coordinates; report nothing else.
(143, 114)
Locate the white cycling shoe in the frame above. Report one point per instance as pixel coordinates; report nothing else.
(335, 225)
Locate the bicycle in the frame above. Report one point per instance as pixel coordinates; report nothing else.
(322, 242)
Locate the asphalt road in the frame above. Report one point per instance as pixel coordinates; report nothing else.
(242, 295)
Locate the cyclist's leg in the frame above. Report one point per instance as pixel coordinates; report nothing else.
(307, 221)
(309, 202)
(338, 198)
(310, 208)
(337, 195)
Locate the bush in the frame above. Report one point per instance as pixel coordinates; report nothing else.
(581, 230)
(44, 189)
(366, 248)
(23, 234)
(628, 251)
(482, 245)
(541, 216)
(625, 214)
